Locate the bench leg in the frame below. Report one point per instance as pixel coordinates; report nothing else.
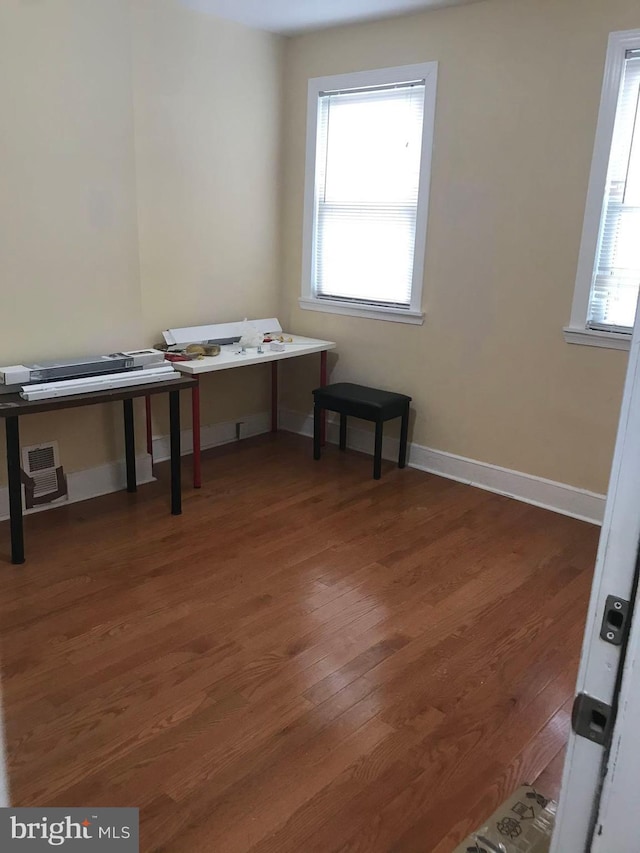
(377, 456)
(317, 431)
(404, 430)
(343, 432)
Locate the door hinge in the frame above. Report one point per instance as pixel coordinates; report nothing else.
(614, 620)
(591, 718)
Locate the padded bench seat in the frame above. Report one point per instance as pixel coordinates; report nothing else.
(370, 404)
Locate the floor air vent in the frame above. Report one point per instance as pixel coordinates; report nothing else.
(43, 478)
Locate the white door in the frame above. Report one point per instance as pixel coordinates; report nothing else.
(617, 824)
(592, 767)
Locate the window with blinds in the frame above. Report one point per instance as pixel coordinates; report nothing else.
(368, 162)
(367, 182)
(616, 276)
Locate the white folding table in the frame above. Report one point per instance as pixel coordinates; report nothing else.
(230, 357)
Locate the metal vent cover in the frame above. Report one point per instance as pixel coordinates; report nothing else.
(43, 476)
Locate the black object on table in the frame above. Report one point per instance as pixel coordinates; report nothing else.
(370, 404)
(12, 407)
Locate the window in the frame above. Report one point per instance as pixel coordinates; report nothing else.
(369, 145)
(608, 278)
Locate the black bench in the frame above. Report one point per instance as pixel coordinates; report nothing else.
(370, 404)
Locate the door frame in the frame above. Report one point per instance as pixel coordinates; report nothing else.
(602, 665)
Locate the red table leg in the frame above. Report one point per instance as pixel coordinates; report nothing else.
(323, 382)
(147, 403)
(195, 417)
(274, 396)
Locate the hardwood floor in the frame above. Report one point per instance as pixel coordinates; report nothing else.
(306, 660)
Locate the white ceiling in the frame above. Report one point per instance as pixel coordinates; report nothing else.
(294, 16)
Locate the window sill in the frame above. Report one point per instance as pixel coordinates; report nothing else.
(593, 338)
(395, 315)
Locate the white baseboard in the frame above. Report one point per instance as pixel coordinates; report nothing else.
(559, 497)
(109, 478)
(90, 483)
(214, 435)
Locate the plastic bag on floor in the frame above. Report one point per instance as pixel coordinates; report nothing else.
(523, 824)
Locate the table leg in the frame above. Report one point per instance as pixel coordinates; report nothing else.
(174, 425)
(147, 403)
(130, 445)
(274, 396)
(15, 490)
(195, 418)
(323, 382)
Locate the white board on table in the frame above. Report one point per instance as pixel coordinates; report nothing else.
(217, 332)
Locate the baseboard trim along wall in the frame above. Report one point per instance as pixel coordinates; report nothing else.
(90, 483)
(558, 497)
(548, 494)
(214, 435)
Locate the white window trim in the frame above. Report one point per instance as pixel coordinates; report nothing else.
(308, 300)
(577, 332)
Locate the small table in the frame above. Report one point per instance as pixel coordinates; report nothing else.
(229, 358)
(12, 407)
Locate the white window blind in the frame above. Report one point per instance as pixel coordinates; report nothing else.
(616, 277)
(367, 180)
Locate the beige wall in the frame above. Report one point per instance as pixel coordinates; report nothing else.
(68, 232)
(68, 220)
(491, 376)
(111, 228)
(207, 108)
(207, 112)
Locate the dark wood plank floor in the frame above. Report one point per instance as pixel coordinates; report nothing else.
(306, 660)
